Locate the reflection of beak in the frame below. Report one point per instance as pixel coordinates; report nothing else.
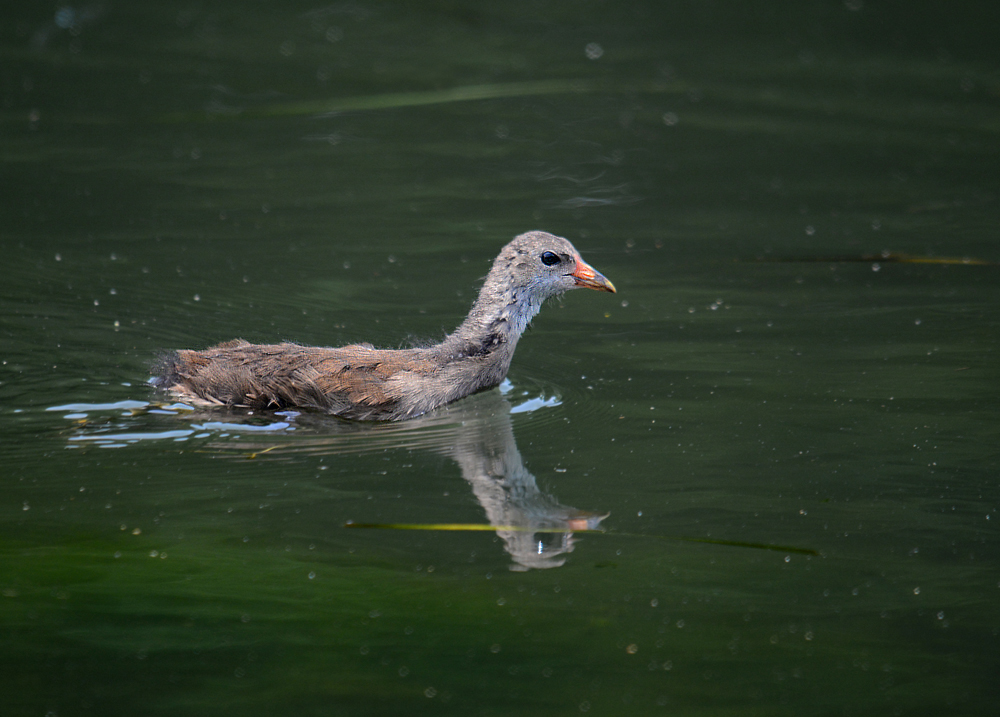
(589, 278)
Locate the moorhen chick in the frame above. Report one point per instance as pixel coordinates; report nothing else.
(363, 383)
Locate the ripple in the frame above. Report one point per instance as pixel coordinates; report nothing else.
(118, 440)
(241, 433)
(524, 402)
(562, 394)
(85, 408)
(266, 428)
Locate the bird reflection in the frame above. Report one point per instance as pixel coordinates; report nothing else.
(477, 433)
(537, 529)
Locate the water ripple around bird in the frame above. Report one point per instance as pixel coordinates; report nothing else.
(240, 432)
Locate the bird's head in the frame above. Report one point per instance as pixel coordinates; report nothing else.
(545, 265)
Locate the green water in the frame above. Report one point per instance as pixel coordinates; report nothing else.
(178, 175)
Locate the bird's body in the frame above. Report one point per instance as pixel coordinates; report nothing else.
(361, 382)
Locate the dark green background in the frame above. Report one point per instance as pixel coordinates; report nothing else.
(177, 174)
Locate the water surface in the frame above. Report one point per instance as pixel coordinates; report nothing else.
(781, 432)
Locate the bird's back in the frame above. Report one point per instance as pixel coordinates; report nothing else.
(351, 381)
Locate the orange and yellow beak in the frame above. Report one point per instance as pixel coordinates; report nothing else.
(588, 277)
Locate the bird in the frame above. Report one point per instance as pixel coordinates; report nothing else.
(363, 383)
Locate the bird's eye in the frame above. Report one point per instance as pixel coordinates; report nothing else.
(549, 258)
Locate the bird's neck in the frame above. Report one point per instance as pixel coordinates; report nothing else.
(494, 325)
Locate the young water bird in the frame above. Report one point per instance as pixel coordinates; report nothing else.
(363, 383)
